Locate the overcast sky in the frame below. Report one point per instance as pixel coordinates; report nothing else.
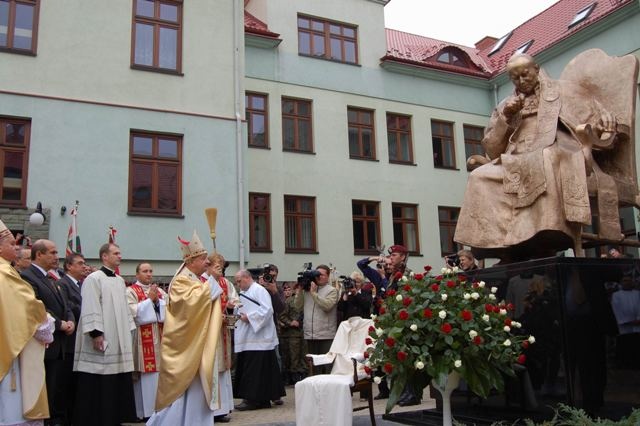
(460, 21)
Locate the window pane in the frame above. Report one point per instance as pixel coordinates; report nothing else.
(142, 145)
(23, 27)
(352, 116)
(366, 117)
(409, 213)
(349, 51)
(169, 12)
(291, 232)
(287, 107)
(354, 149)
(144, 44)
(141, 187)
(306, 206)
(257, 102)
(403, 123)
(318, 26)
(145, 8)
(290, 205)
(167, 148)
(318, 45)
(304, 43)
(371, 210)
(303, 108)
(4, 22)
(367, 143)
(437, 152)
(307, 233)
(167, 187)
(348, 32)
(168, 48)
(358, 235)
(405, 154)
(303, 23)
(14, 133)
(448, 155)
(304, 133)
(336, 50)
(13, 168)
(334, 29)
(393, 151)
(371, 234)
(410, 242)
(260, 231)
(288, 133)
(257, 129)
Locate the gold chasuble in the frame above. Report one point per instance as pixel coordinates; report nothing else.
(20, 315)
(191, 331)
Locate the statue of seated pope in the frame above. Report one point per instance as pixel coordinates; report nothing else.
(531, 199)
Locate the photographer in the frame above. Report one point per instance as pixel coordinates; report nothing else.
(354, 301)
(319, 304)
(269, 280)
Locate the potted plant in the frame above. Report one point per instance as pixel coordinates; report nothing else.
(441, 328)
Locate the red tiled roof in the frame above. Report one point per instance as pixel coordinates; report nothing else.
(255, 26)
(550, 27)
(420, 50)
(545, 29)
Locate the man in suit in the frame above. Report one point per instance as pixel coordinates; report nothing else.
(44, 256)
(75, 271)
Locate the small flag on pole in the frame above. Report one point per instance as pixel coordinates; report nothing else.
(112, 240)
(72, 235)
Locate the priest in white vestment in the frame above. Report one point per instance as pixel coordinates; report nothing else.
(103, 353)
(188, 383)
(147, 304)
(24, 330)
(257, 380)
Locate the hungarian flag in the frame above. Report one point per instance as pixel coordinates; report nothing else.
(72, 235)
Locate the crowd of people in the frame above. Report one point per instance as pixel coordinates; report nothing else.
(113, 352)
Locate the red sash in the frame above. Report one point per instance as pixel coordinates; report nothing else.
(226, 334)
(146, 336)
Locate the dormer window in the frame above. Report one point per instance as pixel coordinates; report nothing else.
(582, 14)
(452, 57)
(499, 44)
(523, 48)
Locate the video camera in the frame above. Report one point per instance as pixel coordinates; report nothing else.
(452, 260)
(307, 276)
(264, 271)
(347, 282)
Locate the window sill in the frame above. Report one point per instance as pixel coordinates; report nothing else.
(156, 214)
(301, 251)
(17, 51)
(16, 206)
(454, 168)
(296, 151)
(158, 70)
(403, 163)
(335, 61)
(260, 250)
(364, 159)
(268, 148)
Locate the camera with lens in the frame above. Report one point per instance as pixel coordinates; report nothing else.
(348, 283)
(224, 268)
(307, 276)
(452, 260)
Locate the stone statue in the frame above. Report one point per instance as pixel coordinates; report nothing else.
(550, 146)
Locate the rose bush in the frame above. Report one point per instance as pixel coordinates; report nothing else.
(433, 325)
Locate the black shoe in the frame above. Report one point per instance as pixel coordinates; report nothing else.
(245, 406)
(278, 401)
(409, 401)
(381, 396)
(221, 419)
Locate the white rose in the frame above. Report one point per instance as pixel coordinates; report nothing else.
(377, 380)
(413, 327)
(455, 269)
(449, 271)
(485, 318)
(419, 365)
(405, 279)
(379, 332)
(494, 290)
(412, 274)
(507, 342)
(443, 296)
(503, 312)
(516, 324)
(532, 339)
(442, 314)
(444, 270)
(399, 298)
(473, 333)
(481, 284)
(467, 296)
(507, 328)
(457, 363)
(373, 316)
(475, 296)
(492, 296)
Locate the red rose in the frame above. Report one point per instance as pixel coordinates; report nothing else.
(397, 275)
(367, 370)
(521, 359)
(427, 313)
(402, 356)
(488, 308)
(368, 341)
(388, 368)
(496, 309)
(507, 322)
(371, 329)
(390, 341)
(446, 328)
(391, 293)
(403, 315)
(427, 268)
(475, 285)
(477, 340)
(407, 301)
(366, 354)
(462, 278)
(418, 276)
(407, 287)
(439, 278)
(435, 287)
(382, 310)
(510, 307)
(451, 284)
(466, 315)
(525, 344)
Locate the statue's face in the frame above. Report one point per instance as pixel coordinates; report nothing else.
(524, 75)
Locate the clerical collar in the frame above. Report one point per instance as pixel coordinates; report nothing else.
(108, 272)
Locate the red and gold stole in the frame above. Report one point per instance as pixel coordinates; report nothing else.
(146, 336)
